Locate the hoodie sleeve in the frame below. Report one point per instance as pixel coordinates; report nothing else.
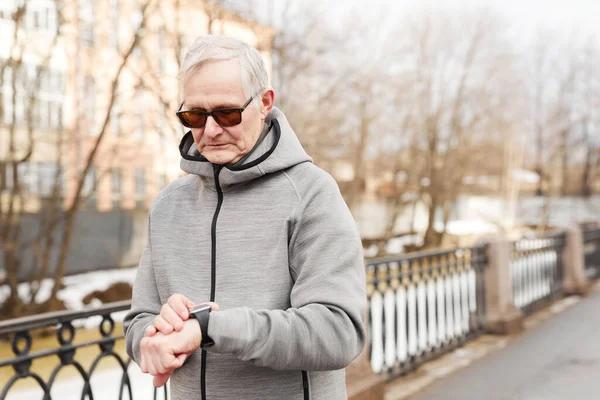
(145, 303)
(324, 328)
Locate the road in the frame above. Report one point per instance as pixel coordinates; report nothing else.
(559, 359)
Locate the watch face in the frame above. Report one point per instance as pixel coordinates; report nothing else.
(200, 308)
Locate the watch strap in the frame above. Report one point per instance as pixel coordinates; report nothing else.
(203, 317)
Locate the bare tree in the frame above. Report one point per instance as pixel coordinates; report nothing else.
(55, 221)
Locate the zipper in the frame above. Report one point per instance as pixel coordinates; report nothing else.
(305, 386)
(213, 266)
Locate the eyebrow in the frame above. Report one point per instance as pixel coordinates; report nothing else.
(217, 107)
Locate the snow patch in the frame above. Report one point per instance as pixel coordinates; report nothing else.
(76, 287)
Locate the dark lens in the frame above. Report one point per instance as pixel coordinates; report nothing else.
(193, 119)
(228, 117)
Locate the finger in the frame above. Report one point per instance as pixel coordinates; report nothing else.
(181, 305)
(155, 365)
(162, 325)
(150, 331)
(150, 368)
(169, 315)
(143, 356)
(214, 306)
(161, 380)
(180, 360)
(143, 364)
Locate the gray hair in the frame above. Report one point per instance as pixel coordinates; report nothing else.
(212, 47)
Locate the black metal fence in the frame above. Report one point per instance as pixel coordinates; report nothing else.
(422, 305)
(22, 332)
(591, 250)
(537, 270)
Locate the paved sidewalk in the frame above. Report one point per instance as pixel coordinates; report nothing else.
(557, 359)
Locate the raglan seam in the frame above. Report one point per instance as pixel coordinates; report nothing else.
(196, 177)
(289, 178)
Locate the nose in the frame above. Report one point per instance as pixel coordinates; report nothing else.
(212, 129)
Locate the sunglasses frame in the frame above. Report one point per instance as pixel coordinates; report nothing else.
(211, 114)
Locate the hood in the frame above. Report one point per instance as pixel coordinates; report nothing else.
(279, 150)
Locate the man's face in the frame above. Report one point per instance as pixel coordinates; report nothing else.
(218, 84)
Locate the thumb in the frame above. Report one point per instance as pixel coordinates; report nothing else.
(180, 359)
(150, 331)
(160, 379)
(213, 305)
(188, 303)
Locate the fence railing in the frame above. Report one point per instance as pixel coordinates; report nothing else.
(422, 305)
(536, 270)
(591, 251)
(22, 333)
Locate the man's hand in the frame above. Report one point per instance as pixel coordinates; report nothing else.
(162, 354)
(174, 314)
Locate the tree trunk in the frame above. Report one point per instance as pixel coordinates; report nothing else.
(13, 303)
(431, 236)
(73, 208)
(357, 185)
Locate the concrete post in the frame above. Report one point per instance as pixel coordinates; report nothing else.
(502, 317)
(573, 258)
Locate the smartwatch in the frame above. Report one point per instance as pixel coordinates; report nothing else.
(202, 314)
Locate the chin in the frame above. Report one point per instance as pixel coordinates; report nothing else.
(221, 157)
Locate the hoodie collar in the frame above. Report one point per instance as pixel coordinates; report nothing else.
(280, 149)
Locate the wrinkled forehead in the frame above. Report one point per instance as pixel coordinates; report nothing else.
(228, 69)
(215, 81)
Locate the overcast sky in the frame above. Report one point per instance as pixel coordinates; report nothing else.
(561, 16)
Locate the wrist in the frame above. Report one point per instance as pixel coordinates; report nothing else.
(195, 335)
(201, 314)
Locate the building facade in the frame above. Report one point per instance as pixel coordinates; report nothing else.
(64, 92)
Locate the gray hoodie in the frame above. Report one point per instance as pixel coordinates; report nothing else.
(273, 243)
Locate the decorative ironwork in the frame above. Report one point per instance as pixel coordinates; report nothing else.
(537, 270)
(19, 331)
(422, 305)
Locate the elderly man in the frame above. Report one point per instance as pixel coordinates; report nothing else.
(258, 235)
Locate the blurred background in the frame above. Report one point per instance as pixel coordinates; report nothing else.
(441, 121)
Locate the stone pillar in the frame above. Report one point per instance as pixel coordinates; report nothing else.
(502, 317)
(361, 382)
(573, 258)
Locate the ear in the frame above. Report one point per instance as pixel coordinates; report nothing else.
(266, 103)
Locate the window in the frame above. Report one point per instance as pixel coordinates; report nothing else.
(6, 96)
(6, 176)
(114, 24)
(140, 111)
(56, 92)
(90, 105)
(115, 117)
(136, 19)
(41, 14)
(140, 183)
(28, 177)
(86, 15)
(46, 107)
(160, 37)
(89, 183)
(46, 177)
(6, 10)
(116, 182)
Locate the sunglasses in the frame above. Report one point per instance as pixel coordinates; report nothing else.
(225, 117)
